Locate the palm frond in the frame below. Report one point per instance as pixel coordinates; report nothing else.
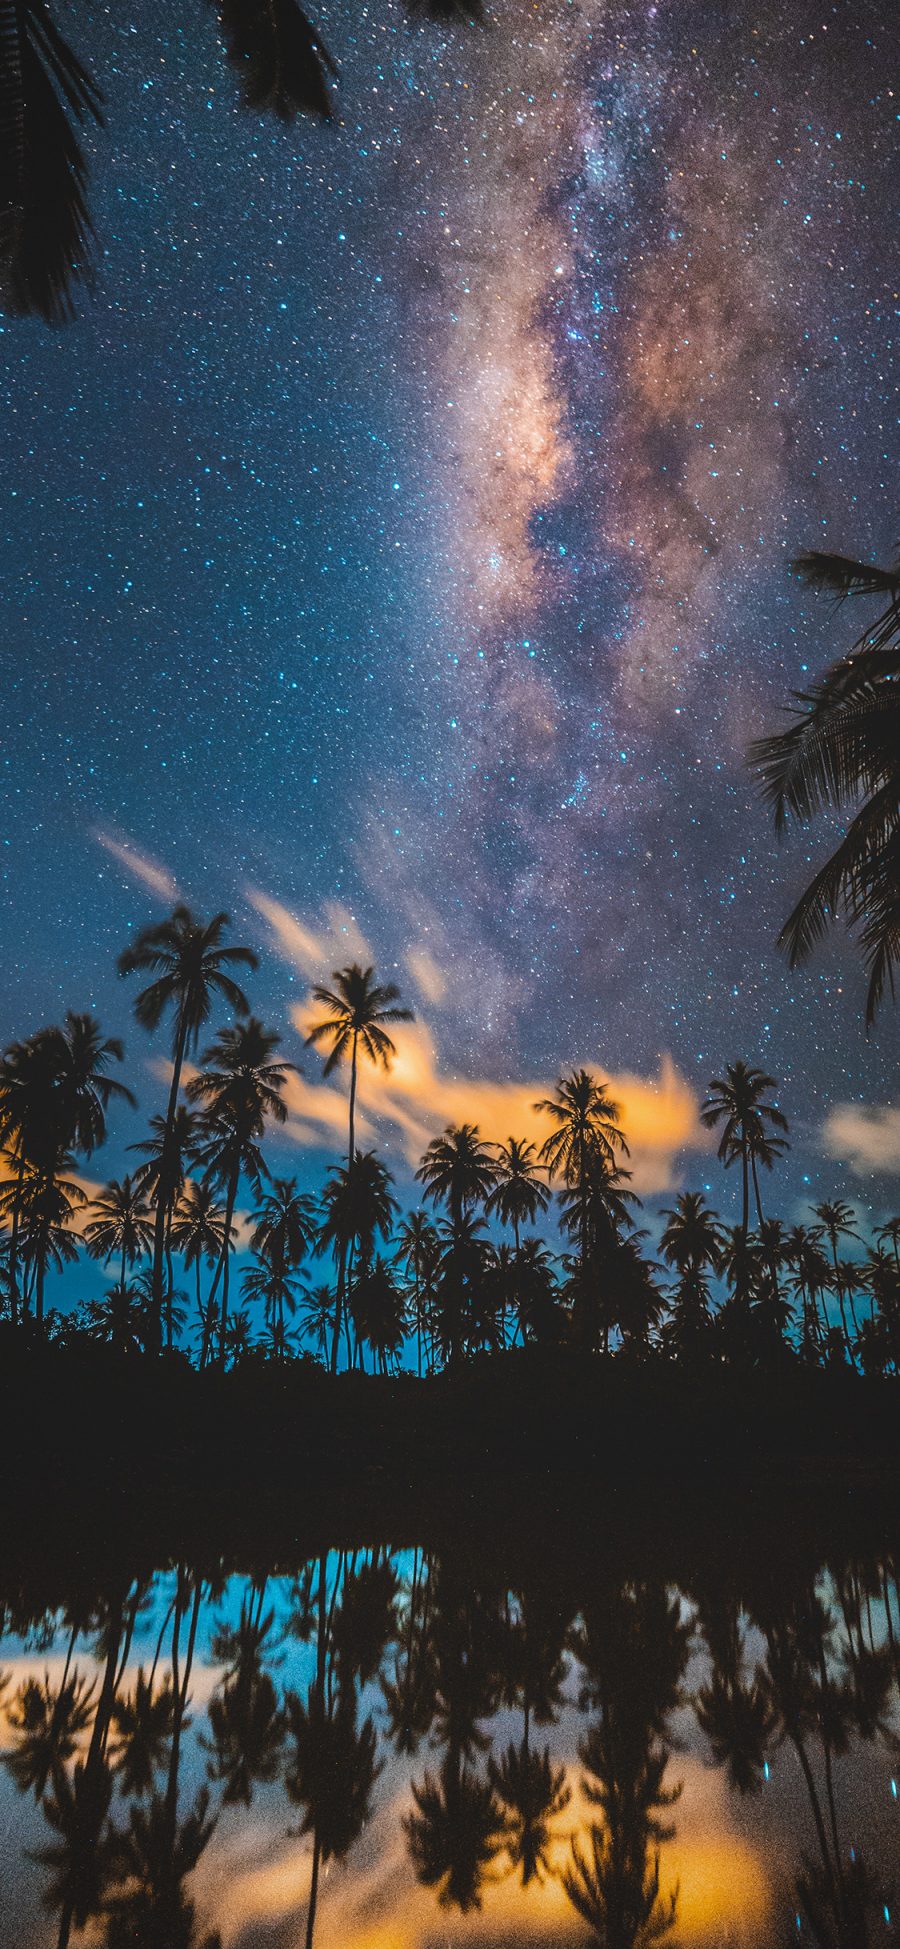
(45, 229)
(281, 59)
(841, 576)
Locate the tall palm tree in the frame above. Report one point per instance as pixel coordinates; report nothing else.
(586, 1129)
(750, 1127)
(240, 1087)
(162, 1176)
(358, 1207)
(359, 1012)
(836, 1220)
(197, 1231)
(357, 1009)
(43, 1204)
(418, 1250)
(190, 969)
(122, 1224)
(842, 753)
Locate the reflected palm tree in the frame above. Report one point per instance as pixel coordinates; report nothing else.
(534, 1792)
(455, 1834)
(146, 1906)
(245, 1718)
(47, 1726)
(144, 1722)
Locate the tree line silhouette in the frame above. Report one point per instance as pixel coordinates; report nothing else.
(435, 1284)
(461, 1677)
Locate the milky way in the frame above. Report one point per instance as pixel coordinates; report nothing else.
(405, 521)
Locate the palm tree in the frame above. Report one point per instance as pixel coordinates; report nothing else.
(836, 1220)
(121, 1224)
(54, 1097)
(587, 1129)
(357, 1009)
(379, 1313)
(459, 1170)
(190, 970)
(418, 1250)
(198, 1232)
(162, 1178)
(239, 1087)
(750, 1127)
(42, 1204)
(843, 753)
(357, 1208)
(519, 1194)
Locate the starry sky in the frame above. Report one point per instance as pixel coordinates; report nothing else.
(395, 546)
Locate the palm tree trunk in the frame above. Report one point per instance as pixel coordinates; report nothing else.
(226, 1243)
(14, 1244)
(159, 1228)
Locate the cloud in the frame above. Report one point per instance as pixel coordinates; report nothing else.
(427, 975)
(146, 871)
(315, 951)
(417, 1097)
(866, 1139)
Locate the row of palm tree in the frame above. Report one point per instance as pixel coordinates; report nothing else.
(455, 1676)
(438, 1277)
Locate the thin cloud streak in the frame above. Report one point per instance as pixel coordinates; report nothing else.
(139, 867)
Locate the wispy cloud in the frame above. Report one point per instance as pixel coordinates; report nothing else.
(139, 867)
(314, 950)
(868, 1139)
(417, 1097)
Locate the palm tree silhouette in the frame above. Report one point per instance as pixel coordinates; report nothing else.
(54, 1096)
(284, 1232)
(162, 1178)
(843, 753)
(190, 970)
(836, 1220)
(357, 1009)
(519, 1194)
(41, 1205)
(587, 1132)
(418, 1249)
(240, 1087)
(458, 1170)
(750, 1127)
(121, 1225)
(197, 1231)
(357, 1208)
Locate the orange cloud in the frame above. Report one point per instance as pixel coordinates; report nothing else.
(416, 1098)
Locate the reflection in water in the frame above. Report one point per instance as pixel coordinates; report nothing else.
(204, 1759)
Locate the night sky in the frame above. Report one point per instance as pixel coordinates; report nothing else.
(396, 545)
